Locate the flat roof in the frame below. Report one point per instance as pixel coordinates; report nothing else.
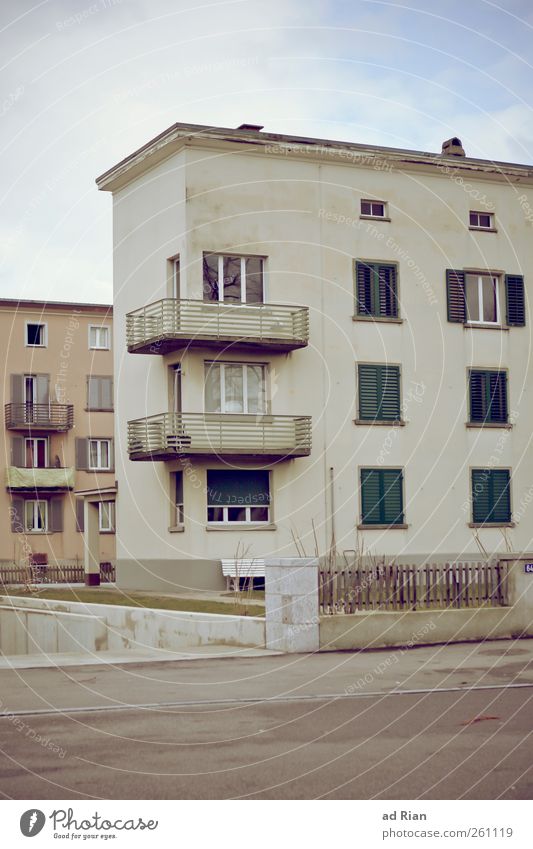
(181, 135)
(70, 305)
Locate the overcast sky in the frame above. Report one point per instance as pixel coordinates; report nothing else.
(83, 84)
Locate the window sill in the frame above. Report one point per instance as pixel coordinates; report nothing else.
(469, 325)
(99, 349)
(242, 526)
(97, 471)
(107, 533)
(176, 529)
(490, 425)
(378, 318)
(99, 409)
(373, 218)
(491, 525)
(483, 229)
(382, 527)
(381, 422)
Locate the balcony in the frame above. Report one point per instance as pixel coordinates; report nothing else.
(170, 435)
(169, 324)
(28, 417)
(48, 479)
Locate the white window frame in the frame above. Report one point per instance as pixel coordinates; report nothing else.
(42, 324)
(35, 502)
(246, 521)
(100, 327)
(496, 280)
(373, 203)
(210, 363)
(479, 226)
(243, 259)
(36, 439)
(112, 518)
(99, 467)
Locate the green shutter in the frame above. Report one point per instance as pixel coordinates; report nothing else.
(491, 496)
(388, 295)
(379, 392)
(382, 497)
(376, 289)
(364, 288)
(515, 298)
(226, 488)
(455, 294)
(488, 397)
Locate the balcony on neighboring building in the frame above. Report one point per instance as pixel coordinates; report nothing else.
(49, 479)
(170, 435)
(170, 324)
(31, 417)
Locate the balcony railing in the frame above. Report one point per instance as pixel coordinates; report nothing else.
(58, 417)
(40, 479)
(168, 435)
(170, 324)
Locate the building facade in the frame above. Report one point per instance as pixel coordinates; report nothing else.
(320, 346)
(58, 428)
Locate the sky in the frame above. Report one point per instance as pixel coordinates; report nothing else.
(84, 84)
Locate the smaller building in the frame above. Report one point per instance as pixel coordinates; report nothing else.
(58, 428)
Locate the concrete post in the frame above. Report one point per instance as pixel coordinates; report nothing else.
(92, 543)
(291, 602)
(520, 584)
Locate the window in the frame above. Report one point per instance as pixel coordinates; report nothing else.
(491, 496)
(482, 220)
(36, 452)
(382, 497)
(233, 279)
(99, 337)
(100, 393)
(476, 297)
(35, 516)
(488, 396)
(100, 454)
(376, 290)
(482, 299)
(373, 208)
(106, 517)
(238, 496)
(36, 335)
(176, 484)
(379, 392)
(235, 388)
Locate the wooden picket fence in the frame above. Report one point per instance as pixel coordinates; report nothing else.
(67, 572)
(398, 587)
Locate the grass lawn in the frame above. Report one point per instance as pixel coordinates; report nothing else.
(133, 599)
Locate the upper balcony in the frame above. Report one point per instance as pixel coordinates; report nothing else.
(49, 479)
(170, 435)
(29, 417)
(170, 324)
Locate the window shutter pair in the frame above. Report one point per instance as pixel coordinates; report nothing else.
(55, 515)
(382, 497)
(379, 392)
(491, 496)
(514, 297)
(376, 290)
(488, 396)
(82, 453)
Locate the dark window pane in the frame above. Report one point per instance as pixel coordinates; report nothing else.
(484, 220)
(35, 334)
(254, 280)
(473, 219)
(210, 270)
(232, 279)
(215, 514)
(366, 207)
(236, 514)
(259, 514)
(472, 298)
(378, 210)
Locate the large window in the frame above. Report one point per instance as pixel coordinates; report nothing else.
(238, 497)
(106, 517)
(35, 516)
(482, 299)
(99, 337)
(235, 388)
(376, 290)
(233, 279)
(491, 496)
(382, 497)
(100, 454)
(36, 449)
(479, 298)
(379, 392)
(100, 393)
(488, 397)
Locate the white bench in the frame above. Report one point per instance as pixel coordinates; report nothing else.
(233, 570)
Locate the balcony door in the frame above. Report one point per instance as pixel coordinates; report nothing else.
(233, 279)
(235, 388)
(36, 394)
(36, 452)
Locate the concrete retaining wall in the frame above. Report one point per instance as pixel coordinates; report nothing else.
(170, 575)
(143, 628)
(24, 631)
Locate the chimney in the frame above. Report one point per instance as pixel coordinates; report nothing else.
(252, 128)
(453, 147)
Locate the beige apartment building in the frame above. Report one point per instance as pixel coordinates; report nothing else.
(320, 345)
(57, 438)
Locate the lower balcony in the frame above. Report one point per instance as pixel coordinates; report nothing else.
(170, 435)
(44, 480)
(55, 417)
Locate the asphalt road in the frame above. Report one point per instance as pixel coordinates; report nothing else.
(432, 723)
